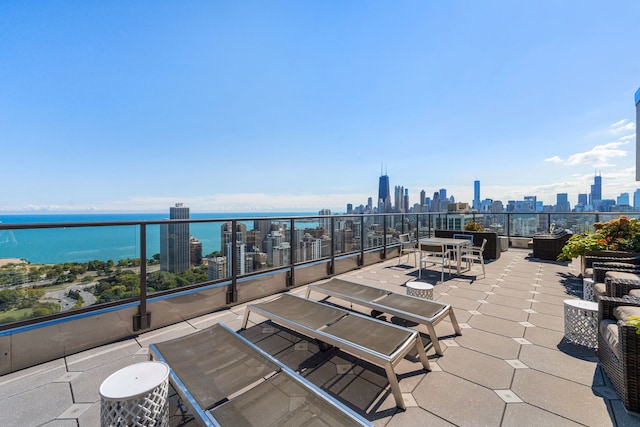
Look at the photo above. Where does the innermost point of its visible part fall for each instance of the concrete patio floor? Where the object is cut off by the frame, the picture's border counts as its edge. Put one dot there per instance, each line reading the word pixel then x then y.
pixel 510 367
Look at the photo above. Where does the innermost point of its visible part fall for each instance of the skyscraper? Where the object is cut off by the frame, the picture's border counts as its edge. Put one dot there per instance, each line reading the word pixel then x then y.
pixel 174 242
pixel 596 191
pixel 384 195
pixel 562 202
pixel 476 194
pixel 398 198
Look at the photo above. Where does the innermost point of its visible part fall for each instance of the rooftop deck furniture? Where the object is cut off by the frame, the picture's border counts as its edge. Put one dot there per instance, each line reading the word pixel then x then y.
pixel 408 247
pixel 549 246
pixel 581 322
pixel 434 253
pixel 380 343
pixel 491 250
pixel 619 348
pixel 598 263
pixel 413 309
pixel 475 253
pixel 616 283
pixel 136 395
pixel 227 381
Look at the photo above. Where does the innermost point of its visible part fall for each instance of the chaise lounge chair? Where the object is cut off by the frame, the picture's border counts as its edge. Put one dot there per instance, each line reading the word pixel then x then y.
pixel 380 343
pixel 227 381
pixel 413 309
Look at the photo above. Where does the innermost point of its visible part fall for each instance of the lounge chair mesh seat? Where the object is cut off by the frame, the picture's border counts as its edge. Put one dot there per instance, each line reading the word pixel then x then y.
pixel 233 383
pixel 381 343
pixel 411 308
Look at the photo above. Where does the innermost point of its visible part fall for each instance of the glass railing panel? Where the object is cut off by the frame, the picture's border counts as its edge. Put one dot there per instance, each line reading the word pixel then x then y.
pixel 347 237
pixel 62 269
pixel 312 239
pixel 524 224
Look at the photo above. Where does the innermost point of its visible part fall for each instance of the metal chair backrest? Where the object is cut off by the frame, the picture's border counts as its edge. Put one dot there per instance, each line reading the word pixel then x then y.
pixel 404 238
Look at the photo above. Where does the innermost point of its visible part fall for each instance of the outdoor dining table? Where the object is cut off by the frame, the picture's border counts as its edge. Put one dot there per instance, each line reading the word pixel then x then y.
pixel 455 244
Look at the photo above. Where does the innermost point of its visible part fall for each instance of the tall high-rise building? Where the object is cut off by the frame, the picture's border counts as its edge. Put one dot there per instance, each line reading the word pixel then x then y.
pixel 406 200
pixel 583 199
pixel 622 199
pixel 596 191
pixel 398 198
pixel 174 241
pixel 423 198
pixel 325 223
pixel 476 194
pixel 637 99
pixel 562 202
pixel 384 195
pixel 636 200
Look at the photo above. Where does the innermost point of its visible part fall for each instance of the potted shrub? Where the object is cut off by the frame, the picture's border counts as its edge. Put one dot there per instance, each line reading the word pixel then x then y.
pixel 473 226
pixel 620 235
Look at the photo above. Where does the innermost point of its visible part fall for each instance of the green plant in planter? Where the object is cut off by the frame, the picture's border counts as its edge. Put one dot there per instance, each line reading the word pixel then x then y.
pixel 634 321
pixel 473 226
pixel 622 234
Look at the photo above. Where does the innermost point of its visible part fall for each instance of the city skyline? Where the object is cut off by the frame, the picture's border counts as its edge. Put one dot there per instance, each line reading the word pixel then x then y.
pixel 292 107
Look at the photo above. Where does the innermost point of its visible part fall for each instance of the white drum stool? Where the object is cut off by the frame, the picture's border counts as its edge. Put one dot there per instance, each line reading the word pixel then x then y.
pixel 136 395
pixel 581 322
pixel 420 289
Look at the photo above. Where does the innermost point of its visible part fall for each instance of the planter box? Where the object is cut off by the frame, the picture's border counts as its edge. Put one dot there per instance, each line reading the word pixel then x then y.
pixel 549 246
pixel 491 250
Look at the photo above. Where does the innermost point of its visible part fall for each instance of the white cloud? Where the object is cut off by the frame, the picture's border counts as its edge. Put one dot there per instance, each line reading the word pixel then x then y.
pixel 554 159
pixel 621 126
pixel 599 156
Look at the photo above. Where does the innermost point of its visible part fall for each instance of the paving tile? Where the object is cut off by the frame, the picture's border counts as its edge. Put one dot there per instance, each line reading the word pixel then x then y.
pixel 561 397
pixel 499 326
pixel 514 293
pixel 521 414
pixel 504 312
pixel 489 343
pixel 36 406
pixel 462 303
pixel 463 404
pixel 417 417
pixel 31 378
pixel 467 293
pixel 547 321
pixel 544 337
pixel 508 301
pixel 103 355
pixel 556 363
pixel 478 368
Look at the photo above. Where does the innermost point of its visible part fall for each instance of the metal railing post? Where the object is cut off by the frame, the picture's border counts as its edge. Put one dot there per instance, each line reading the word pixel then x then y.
pixel 291 278
pixel 143 319
pixel 232 293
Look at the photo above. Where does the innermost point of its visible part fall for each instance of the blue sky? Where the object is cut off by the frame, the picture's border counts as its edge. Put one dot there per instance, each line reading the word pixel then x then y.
pixel 295 105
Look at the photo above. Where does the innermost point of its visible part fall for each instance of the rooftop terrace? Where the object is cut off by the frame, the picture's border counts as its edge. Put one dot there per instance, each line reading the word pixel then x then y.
pixel 510 366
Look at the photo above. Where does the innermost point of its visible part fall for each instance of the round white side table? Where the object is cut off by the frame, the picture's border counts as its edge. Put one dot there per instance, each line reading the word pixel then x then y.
pixel 581 322
pixel 587 289
pixel 420 289
pixel 136 395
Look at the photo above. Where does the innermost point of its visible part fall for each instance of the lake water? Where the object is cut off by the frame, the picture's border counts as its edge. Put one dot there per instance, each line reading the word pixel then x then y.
pixel 83 244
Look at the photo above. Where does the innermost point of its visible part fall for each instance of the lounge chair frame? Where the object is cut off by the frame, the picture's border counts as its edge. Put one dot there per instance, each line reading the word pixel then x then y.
pixel 410 341
pixel 277 372
pixel 381 303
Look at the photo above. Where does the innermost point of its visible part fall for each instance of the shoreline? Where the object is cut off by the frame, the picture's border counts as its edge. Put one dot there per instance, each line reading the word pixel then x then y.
pixel 6 261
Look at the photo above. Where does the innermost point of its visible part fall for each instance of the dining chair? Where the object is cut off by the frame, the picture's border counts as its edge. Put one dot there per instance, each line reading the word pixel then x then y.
pixel 407 247
pixel 434 254
pixel 475 253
